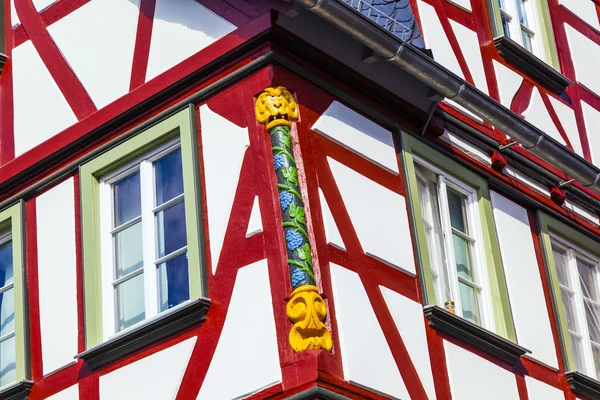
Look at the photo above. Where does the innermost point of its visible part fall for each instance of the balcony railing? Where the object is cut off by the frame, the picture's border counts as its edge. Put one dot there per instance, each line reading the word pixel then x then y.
pixel 395 16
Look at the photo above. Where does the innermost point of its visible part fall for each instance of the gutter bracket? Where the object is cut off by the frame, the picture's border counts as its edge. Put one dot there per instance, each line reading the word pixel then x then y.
pixel 435 98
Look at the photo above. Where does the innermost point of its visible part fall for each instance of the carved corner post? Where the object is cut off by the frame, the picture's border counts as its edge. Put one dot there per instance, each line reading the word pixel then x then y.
pixel 276 109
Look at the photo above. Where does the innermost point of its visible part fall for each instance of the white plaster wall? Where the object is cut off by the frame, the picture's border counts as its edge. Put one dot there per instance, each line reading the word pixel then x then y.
pixel 509 83
pixel 157 376
pixel 566 115
pixel 57 279
pixel 366 356
pixel 246 359
pixel 466 4
pixel 40 5
pixel 34 122
pixel 100 57
pixel 378 215
pixel 221 174
pixel 358 134
pixel 436 39
pixel 528 305
pixel 181 28
pixel 586 58
pixel 70 393
pixel 473 377
pixel 591 117
pixel 409 320
pixel 538 390
pixel 332 232
pixel 469 45
pixel 538 115
pixel 584 9
pixel 255 221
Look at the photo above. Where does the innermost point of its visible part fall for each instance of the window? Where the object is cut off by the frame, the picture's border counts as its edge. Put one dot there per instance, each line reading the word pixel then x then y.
pixel 574 270
pixel 526 22
pixel 459 254
pixel 142 251
pixel 12 327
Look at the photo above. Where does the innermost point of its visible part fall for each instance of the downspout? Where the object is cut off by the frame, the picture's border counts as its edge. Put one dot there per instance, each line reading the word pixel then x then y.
pixel 440 79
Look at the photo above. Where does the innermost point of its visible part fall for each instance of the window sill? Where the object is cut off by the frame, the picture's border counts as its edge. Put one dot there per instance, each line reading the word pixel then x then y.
pixel 532 66
pixel 150 332
pixel 17 391
pixel 583 384
pixel 473 334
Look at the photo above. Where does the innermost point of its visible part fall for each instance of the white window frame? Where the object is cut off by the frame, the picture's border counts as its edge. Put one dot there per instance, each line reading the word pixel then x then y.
pixel 444 181
pixel 515 26
pixel 5 237
pixel 573 252
pixel 143 164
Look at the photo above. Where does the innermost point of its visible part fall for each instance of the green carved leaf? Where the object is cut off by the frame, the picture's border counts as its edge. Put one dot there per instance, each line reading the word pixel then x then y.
pixel 291 175
pixel 297 213
pixel 286 140
pixel 304 253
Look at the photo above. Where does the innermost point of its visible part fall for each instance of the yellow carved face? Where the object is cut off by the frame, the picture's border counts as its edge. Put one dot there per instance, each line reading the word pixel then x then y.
pixel 276 103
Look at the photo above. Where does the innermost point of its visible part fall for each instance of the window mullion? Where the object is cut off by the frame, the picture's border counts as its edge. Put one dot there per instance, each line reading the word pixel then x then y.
pixel 450 262
pixel 148 236
pixel 580 309
pixel 107 259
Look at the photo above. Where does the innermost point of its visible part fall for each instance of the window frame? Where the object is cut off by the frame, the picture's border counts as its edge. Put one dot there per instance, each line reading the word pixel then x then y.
pixel 549 229
pixel 542 28
pixel 182 125
pixel 499 317
pixel 11 220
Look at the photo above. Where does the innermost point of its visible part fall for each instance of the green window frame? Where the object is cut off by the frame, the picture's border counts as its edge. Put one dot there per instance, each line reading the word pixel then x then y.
pixel 543 24
pixel 183 125
pixel 549 226
pixel 11 219
pixel 500 306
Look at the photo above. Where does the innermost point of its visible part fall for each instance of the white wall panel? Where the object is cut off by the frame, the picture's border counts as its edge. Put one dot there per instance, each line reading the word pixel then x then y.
pixel 255 221
pixel 541 391
pixel 40 5
pixel 246 359
pixel 566 115
pixel 332 232
pixel 409 320
pixel 366 356
pixel 466 4
pixel 100 57
pixel 469 45
pixel 221 174
pixel 436 39
pixel 528 305
pixel 584 9
pixel 509 83
pixel 36 121
pixel 358 134
pixel 70 393
pixel 181 28
pixel 57 275
pixel 586 58
pixel 378 215
pixel 473 377
pixel 157 376
pixel 591 117
pixel 538 115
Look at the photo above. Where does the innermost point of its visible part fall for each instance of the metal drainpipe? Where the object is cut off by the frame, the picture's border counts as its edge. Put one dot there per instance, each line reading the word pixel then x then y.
pixel 405 56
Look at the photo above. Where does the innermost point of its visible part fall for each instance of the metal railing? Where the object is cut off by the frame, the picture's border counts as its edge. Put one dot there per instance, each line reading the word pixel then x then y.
pixel 382 19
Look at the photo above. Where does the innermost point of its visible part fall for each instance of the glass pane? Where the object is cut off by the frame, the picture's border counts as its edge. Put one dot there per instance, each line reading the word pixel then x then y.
pixel 506 26
pixel 6 264
pixel 596 355
pixel 456 207
pixel 592 315
pixel 588 279
pixel 501 4
pixel 560 261
pixel 170 227
pixel 173 282
pixel 169 177
pixel 127 201
pixel 527 40
pixel 130 302
pixel 569 305
pixel 129 250
pixel 8 365
pixel 462 253
pixel 576 346
pixel 469 303
pixel 522 12
pixel 7 312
